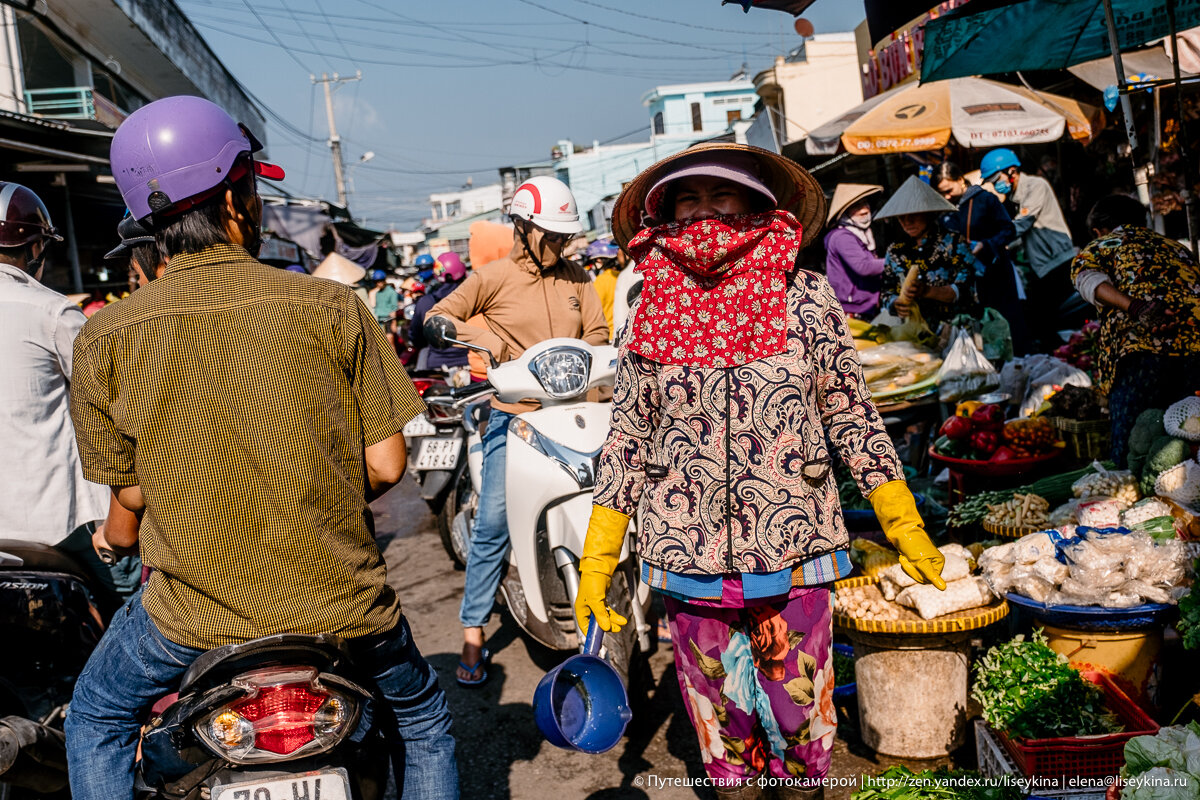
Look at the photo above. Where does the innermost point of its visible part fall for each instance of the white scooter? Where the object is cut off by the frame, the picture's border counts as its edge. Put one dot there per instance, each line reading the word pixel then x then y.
pixel 551 461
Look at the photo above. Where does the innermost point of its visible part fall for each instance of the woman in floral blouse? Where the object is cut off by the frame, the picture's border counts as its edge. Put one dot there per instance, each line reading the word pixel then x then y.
pixel 1147 290
pixel 947 267
pixel 737 378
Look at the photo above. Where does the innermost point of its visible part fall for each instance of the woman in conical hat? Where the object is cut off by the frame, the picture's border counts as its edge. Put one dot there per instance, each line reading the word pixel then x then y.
pixel 737 379
pixel 851 263
pixel 928 265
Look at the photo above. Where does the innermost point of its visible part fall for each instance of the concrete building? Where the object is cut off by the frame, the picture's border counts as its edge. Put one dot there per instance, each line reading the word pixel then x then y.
pixel 70 72
pixel 810 86
pixel 467 202
pixel 695 111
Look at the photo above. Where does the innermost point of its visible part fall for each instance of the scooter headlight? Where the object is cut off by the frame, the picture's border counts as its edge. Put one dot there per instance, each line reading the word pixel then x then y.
pixel 563 371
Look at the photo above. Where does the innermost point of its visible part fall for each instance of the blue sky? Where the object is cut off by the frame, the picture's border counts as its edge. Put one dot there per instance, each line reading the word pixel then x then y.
pixel 456 88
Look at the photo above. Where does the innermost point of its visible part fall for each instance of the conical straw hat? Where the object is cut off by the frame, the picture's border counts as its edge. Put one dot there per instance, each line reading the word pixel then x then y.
pixel 846 195
pixel 914 196
pixel 339 268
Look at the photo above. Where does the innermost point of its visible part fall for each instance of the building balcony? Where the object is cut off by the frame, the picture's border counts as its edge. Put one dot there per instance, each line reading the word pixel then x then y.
pixel 74 102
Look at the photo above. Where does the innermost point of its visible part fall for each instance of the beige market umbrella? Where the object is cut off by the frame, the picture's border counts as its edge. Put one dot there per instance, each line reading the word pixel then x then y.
pixel 339 268
pixel 975 111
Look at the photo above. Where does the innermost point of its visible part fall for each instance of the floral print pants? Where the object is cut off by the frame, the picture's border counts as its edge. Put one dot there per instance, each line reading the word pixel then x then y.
pixel 757 683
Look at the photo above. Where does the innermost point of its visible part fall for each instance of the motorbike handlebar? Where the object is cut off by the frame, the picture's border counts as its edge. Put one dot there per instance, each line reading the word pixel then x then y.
pixel 472 390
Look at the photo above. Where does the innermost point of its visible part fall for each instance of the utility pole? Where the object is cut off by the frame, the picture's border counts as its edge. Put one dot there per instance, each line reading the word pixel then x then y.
pixel 335 141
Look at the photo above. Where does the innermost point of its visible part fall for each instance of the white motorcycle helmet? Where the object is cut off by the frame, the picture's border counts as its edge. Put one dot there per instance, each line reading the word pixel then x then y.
pixel 548 204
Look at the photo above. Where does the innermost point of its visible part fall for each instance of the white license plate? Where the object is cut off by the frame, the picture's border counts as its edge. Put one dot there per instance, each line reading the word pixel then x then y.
pixel 441 453
pixel 333 785
pixel 419 426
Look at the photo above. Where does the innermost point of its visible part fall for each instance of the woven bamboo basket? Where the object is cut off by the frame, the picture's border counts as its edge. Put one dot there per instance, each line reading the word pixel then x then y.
pixel 911 623
pixel 1010 531
pixel 1086 440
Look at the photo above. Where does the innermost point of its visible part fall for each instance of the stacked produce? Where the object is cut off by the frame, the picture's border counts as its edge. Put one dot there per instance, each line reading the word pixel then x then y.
pixel 1027 690
pixel 872 558
pixel 1055 489
pixel 1152 451
pixel 901 783
pixel 1021 511
pixel 984 436
pixel 1079 403
pixel 1112 568
pixel 1080 349
pixel 896 592
pixel 896 366
pixel 1165 766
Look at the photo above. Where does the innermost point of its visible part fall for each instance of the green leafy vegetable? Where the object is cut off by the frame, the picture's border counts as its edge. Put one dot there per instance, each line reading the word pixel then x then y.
pixel 1029 691
pixel 843 669
pixel 901 783
pixel 1189 620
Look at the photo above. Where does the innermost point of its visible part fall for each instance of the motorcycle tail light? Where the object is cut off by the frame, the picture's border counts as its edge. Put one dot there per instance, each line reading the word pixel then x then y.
pixel 423 385
pixel 285 714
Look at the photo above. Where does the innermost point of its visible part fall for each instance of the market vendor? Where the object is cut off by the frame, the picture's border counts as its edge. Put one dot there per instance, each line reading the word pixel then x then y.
pixel 1147 290
pixel 946 269
pixel 737 374
pixel 851 262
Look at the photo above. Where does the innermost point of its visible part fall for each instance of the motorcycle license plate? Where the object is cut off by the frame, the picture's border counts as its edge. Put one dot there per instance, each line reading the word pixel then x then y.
pixel 333 785
pixel 438 453
pixel 419 426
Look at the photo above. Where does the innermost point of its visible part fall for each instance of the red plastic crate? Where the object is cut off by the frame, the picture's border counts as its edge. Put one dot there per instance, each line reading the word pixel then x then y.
pixel 1083 756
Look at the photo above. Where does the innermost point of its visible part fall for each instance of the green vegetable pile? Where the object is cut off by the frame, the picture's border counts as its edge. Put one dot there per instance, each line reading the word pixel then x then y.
pixel 1151 451
pixel 1029 691
pixel 901 783
pixel 1189 620
pixel 843 669
pixel 972 510
pixel 1165 766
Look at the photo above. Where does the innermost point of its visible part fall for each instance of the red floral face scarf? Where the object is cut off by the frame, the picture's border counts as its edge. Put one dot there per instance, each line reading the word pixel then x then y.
pixel 715 292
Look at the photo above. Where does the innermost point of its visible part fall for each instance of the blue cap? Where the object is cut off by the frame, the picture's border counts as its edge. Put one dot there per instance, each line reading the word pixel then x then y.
pixel 997 160
pixel 423 260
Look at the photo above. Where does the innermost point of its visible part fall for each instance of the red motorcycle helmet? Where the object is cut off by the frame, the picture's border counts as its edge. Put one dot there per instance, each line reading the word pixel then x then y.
pixel 23 217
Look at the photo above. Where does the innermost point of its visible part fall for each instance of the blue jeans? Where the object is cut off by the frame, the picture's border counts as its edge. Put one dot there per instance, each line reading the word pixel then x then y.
pixel 489 534
pixel 135 664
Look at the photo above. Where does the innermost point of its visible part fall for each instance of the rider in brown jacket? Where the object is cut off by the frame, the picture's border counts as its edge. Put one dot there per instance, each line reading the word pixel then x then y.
pixel 529 297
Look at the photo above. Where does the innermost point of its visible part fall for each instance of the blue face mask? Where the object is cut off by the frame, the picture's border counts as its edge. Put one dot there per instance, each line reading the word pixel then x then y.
pixel 1002 185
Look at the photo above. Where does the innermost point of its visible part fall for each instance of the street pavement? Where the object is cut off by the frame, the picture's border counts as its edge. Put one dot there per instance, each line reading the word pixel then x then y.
pixel 501 754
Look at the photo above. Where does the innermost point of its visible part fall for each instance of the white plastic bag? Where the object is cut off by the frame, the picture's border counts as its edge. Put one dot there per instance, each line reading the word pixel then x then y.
pixel 965 372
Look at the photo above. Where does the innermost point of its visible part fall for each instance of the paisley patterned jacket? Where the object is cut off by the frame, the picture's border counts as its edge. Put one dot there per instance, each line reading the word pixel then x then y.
pixel 734 464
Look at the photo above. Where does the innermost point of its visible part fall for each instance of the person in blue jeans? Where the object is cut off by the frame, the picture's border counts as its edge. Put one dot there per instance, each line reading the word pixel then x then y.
pixel 531 295
pixel 246 416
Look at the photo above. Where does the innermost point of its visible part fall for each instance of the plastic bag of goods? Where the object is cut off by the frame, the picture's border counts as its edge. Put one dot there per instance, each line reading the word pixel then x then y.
pixel 965 372
pixel 1118 484
pixel 1100 512
pixel 893 579
pixel 959 595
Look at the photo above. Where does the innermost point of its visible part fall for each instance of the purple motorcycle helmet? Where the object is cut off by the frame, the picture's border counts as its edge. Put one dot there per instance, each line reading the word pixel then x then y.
pixel 172 154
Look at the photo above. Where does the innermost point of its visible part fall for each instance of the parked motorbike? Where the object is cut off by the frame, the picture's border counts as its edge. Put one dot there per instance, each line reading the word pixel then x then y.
pixel 550 473
pixel 49 624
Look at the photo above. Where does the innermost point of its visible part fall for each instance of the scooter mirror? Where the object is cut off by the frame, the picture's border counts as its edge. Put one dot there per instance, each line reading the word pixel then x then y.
pixel 438 330
pixel 441 333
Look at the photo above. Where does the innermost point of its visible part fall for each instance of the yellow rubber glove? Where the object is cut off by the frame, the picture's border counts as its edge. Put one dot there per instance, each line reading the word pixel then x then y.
pixel 601 549
pixel 897 513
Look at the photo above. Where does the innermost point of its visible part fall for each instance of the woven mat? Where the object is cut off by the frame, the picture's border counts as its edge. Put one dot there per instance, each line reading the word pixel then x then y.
pixel 910 621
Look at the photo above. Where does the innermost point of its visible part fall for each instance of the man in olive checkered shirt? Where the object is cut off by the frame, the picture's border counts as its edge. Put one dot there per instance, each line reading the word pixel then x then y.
pixel 248 415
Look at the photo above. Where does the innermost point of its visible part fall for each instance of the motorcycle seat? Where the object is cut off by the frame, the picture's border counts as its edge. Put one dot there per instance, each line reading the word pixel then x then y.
pixel 40 557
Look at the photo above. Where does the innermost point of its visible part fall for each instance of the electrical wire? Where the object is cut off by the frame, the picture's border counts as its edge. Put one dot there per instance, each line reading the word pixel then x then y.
pixel 670 21
pixel 271 31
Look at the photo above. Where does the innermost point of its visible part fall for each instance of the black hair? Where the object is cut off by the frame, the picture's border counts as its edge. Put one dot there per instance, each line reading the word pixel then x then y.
pixel 203 226
pixel 946 171
pixel 1116 210
pixel 147 257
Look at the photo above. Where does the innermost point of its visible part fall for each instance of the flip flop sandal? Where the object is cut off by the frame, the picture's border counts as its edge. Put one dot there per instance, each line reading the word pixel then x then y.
pixel 484 658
